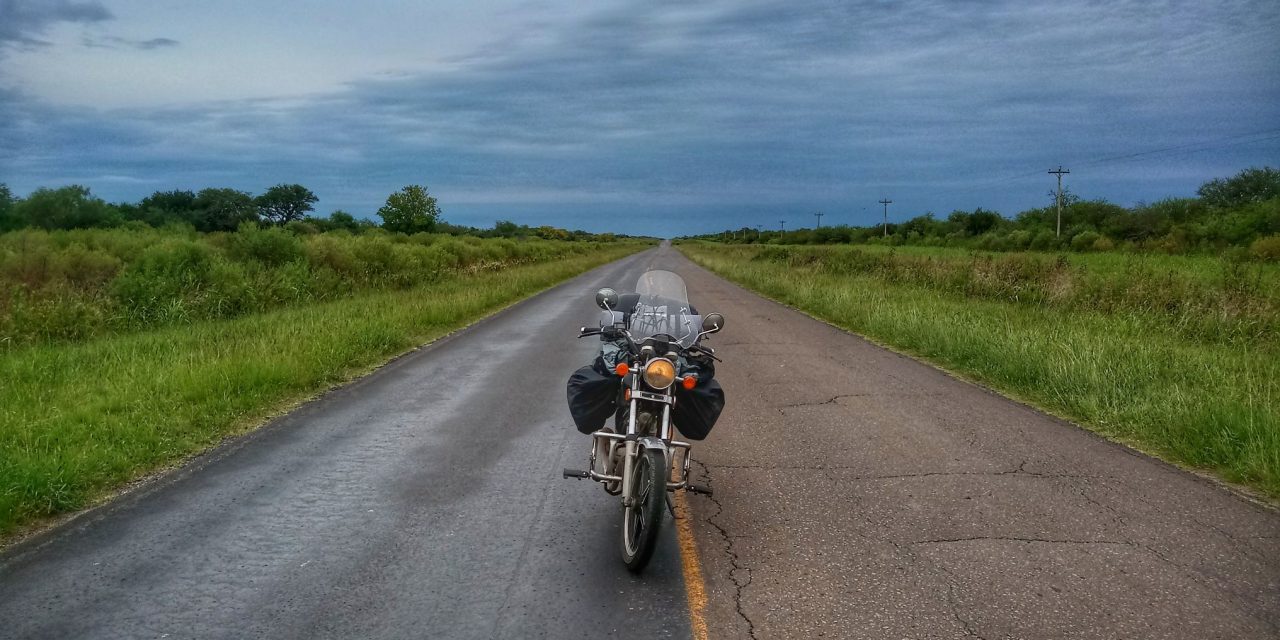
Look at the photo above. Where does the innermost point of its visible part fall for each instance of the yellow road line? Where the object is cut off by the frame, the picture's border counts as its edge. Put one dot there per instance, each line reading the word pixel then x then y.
pixel 695 589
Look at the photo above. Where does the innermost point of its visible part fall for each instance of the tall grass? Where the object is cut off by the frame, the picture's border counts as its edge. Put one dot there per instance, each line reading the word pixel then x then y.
pixel 1185 365
pixel 73 285
pixel 78 419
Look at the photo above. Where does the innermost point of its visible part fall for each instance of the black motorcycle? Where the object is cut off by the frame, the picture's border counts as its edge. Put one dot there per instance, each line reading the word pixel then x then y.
pixel 653 375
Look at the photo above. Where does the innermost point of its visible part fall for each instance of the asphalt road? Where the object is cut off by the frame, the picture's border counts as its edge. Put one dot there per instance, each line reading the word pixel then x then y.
pixel 858 494
pixel 862 494
pixel 422 501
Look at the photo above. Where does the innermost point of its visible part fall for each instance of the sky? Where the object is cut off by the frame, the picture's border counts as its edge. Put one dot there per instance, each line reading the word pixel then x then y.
pixel 649 117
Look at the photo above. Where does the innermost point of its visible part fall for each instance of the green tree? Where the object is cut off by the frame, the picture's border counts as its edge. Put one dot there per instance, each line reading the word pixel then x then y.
pixel 410 210
pixel 1250 185
pixel 70 207
pixel 223 210
pixel 166 206
pixel 285 203
pixel 6 205
pixel 340 219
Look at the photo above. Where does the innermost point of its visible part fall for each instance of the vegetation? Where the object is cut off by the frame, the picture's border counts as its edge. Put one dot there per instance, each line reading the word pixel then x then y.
pixel 78 419
pixel 84 283
pixel 410 210
pixel 1179 355
pixel 1240 215
pixel 133 334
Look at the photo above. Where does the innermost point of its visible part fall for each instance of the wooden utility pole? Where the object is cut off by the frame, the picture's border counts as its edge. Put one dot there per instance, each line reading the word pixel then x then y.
pixel 784 225
pixel 819 214
pixel 886 202
pixel 1059 171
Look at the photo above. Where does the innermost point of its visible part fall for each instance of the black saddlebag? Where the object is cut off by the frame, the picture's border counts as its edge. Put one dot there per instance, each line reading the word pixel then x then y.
pixel 593 397
pixel 697 409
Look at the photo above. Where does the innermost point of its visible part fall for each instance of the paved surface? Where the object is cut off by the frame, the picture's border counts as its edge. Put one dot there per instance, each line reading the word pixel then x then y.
pixel 859 494
pixel 423 501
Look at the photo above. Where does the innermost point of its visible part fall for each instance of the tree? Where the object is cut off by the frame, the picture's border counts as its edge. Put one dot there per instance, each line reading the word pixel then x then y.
pixel 410 210
pixel 285 203
pixel 70 207
pixel 6 205
pixel 340 219
pixel 1250 185
pixel 223 210
pixel 165 206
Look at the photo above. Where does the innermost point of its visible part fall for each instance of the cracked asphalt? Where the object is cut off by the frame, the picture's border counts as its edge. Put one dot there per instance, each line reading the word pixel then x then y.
pixel 862 494
pixel 423 501
pixel 859 494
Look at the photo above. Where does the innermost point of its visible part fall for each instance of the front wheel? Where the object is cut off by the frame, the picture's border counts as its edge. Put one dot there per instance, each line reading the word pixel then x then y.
pixel 642 520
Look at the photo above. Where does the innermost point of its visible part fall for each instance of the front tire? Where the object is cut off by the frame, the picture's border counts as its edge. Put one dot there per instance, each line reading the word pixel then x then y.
pixel 642 521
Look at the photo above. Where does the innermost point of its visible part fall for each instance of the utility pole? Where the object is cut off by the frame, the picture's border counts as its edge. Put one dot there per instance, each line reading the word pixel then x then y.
pixel 819 214
pixel 1059 171
pixel 886 202
pixel 784 225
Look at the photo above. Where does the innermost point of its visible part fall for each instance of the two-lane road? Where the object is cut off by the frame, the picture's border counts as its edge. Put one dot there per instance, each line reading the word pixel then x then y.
pixel 422 501
pixel 858 494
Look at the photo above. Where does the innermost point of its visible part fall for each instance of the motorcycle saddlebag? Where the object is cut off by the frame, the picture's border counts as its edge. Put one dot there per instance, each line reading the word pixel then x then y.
pixel 697 409
pixel 593 397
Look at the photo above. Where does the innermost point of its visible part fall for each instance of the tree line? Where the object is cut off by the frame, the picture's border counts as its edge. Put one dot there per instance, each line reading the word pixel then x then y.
pixel 1241 212
pixel 410 210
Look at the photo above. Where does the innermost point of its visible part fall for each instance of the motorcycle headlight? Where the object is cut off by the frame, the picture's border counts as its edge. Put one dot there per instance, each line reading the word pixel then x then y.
pixel 659 373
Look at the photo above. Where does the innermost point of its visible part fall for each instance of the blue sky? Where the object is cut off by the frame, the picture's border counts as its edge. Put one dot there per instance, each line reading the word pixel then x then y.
pixel 651 117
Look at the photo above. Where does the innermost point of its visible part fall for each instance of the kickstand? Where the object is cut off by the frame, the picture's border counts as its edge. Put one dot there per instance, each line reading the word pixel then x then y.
pixel 671 506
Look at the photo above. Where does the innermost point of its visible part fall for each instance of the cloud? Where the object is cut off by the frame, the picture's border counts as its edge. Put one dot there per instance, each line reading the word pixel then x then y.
pixel 22 21
pixel 116 42
pixel 667 118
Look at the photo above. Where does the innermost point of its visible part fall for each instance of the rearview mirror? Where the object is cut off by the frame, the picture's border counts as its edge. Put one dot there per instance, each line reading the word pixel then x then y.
pixel 712 322
pixel 607 299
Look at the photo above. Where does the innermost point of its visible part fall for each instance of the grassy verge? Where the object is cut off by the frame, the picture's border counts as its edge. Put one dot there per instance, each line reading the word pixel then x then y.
pixel 78 420
pixel 1124 368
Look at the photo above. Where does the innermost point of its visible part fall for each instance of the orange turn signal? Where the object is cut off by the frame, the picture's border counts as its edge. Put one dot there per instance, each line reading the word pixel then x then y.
pixel 622 369
pixel 689 382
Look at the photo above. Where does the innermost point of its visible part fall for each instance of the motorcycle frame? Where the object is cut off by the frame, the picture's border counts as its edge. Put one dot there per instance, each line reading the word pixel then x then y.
pixel 634 443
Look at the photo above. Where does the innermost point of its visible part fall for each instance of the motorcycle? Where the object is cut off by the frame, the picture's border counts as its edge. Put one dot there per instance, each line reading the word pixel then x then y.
pixel 652 344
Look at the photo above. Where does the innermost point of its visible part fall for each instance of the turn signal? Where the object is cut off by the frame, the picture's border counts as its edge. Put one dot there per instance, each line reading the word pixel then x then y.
pixel 689 382
pixel 622 369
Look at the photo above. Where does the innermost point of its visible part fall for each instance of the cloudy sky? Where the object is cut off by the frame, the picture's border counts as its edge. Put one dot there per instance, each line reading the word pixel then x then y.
pixel 641 116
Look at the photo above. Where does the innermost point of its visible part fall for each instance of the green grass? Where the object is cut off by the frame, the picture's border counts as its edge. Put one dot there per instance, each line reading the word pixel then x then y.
pixel 79 420
pixel 1134 373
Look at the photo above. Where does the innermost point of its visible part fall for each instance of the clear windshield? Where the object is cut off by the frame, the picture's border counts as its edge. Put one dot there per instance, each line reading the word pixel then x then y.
pixel 663 308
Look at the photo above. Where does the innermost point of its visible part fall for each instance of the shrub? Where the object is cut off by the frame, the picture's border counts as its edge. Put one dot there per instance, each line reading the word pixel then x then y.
pixel 271 246
pixel 1266 249
pixel 1084 240
pixel 180 280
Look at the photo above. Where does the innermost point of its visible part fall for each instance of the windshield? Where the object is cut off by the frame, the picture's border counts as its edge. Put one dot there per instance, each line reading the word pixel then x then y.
pixel 663 308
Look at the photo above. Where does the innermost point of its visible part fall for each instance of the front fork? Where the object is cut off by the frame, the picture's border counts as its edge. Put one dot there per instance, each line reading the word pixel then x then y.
pixel 632 448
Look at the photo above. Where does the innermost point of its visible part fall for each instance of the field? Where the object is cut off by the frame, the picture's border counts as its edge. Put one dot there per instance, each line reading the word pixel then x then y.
pixel 103 384
pixel 1175 355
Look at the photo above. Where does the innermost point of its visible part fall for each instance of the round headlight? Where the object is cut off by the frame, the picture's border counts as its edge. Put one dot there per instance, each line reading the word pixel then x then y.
pixel 659 373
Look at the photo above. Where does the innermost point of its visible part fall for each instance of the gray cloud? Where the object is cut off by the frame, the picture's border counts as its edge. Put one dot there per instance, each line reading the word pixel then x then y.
pixel 23 21
pixel 116 42
pixel 675 118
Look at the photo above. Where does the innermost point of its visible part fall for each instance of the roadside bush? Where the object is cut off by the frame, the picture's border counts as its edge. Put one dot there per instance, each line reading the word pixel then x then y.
pixel 1084 241
pixel 180 280
pixel 1266 249
pixel 271 246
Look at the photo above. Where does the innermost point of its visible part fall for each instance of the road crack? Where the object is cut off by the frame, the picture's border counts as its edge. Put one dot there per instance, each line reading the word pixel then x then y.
pixel 737 568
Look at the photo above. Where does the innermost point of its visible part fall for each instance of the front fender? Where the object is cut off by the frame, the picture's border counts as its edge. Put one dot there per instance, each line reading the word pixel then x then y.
pixel 650 442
